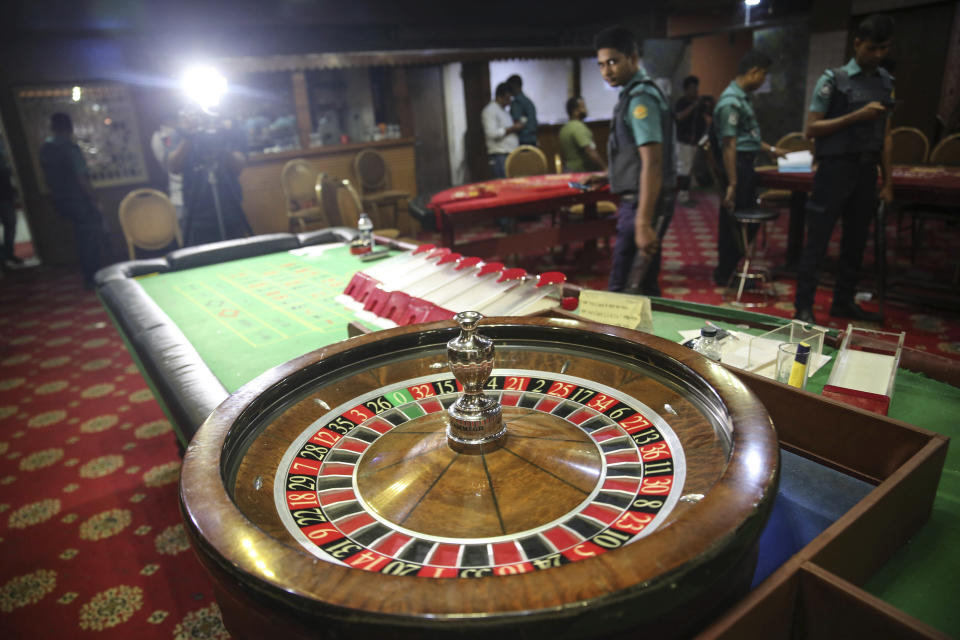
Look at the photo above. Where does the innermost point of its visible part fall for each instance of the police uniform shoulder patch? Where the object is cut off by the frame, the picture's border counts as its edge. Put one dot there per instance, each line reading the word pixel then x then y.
pixel 733 118
pixel 640 112
pixel 825 89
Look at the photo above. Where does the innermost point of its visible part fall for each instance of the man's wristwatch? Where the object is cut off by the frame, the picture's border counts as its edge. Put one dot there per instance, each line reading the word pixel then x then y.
pixel 773 150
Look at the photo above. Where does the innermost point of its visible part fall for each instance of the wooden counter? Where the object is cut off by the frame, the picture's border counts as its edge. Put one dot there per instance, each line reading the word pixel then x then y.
pixel 263 199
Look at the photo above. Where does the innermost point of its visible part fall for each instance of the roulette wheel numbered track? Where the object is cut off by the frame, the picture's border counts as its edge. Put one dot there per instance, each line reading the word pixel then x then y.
pixel 629 493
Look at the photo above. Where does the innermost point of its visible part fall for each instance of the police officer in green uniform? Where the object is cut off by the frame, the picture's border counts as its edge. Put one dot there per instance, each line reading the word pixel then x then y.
pixel 640 153
pixel 849 121
pixel 735 124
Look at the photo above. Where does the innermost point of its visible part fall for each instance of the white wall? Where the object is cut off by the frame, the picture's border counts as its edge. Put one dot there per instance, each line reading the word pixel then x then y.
pixel 456 121
pixel 548 83
pixel 600 97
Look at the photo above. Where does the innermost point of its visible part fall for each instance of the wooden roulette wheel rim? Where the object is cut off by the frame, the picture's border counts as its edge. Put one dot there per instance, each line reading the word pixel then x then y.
pixel 696 555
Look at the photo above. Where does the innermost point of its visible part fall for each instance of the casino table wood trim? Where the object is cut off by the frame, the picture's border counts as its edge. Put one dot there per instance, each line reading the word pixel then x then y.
pixel 674 563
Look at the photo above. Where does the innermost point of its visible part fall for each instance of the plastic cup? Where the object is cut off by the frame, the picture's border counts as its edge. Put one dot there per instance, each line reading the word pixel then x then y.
pixel 790 370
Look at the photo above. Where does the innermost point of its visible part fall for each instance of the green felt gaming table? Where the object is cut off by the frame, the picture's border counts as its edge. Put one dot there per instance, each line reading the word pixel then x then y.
pixel 202 322
pixel 246 316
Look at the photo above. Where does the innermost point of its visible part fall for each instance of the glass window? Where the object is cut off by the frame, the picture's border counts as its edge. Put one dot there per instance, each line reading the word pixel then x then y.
pixel 342 106
pixel 262 104
pixel 600 97
pixel 548 84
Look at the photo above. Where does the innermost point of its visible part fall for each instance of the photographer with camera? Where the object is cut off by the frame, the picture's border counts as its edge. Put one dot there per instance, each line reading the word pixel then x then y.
pixel 210 156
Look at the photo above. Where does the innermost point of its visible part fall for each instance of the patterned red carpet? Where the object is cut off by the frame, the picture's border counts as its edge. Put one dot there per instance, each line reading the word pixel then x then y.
pixel 91 544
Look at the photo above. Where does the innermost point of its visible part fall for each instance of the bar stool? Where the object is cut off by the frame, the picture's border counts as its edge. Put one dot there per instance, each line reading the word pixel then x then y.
pixel 758 277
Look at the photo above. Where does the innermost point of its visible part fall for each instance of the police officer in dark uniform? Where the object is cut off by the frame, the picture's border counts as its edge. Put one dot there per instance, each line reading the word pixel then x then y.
pixel 640 153
pixel 738 133
pixel 849 121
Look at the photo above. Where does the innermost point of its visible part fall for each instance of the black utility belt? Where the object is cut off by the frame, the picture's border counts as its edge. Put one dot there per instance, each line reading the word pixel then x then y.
pixel 628 197
pixel 746 154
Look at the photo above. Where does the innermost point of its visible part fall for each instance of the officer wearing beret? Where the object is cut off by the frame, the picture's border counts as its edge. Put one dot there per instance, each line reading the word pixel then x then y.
pixel 640 152
pixel 736 127
pixel 849 120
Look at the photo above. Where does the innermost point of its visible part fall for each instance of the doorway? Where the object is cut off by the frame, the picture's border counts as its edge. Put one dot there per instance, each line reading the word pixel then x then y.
pixel 12 213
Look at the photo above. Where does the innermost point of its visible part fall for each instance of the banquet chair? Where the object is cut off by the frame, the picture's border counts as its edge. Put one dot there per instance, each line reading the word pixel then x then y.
pixel 526 160
pixel 947 152
pixel 298 178
pixel 908 145
pixel 795 141
pixel 342 204
pixel 375 189
pixel 604 207
pixel 149 221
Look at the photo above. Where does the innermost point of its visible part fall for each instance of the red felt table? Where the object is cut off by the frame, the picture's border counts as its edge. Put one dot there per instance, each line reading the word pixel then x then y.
pixel 934 185
pixel 461 207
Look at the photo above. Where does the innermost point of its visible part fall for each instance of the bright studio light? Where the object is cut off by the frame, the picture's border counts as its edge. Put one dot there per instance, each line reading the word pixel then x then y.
pixel 204 85
pixel 751 3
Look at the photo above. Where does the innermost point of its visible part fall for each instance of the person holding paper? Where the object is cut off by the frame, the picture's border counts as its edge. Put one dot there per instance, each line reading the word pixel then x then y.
pixel 735 124
pixel 849 118
pixel 640 153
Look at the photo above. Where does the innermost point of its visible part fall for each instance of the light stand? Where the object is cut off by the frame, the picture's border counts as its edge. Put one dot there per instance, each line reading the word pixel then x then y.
pixel 212 179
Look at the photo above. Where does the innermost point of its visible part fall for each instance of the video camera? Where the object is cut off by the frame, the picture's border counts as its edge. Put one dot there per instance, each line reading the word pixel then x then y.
pixel 209 133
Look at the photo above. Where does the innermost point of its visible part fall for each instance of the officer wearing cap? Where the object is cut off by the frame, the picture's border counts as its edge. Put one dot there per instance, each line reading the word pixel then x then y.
pixel 849 120
pixel 735 123
pixel 640 152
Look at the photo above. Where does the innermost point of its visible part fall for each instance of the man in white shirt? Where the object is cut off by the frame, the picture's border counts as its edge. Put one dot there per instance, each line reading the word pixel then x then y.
pixel 162 143
pixel 499 130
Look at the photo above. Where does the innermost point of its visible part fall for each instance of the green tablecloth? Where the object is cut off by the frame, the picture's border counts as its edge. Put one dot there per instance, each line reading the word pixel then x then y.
pixel 247 316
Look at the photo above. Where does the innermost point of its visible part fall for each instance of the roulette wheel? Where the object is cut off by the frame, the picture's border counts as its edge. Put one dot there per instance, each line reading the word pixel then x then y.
pixel 534 476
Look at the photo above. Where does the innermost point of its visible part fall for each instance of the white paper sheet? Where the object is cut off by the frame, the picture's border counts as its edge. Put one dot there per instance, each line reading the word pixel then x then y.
pixel 796 161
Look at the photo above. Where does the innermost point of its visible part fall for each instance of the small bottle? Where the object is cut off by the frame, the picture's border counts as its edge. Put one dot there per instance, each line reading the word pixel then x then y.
pixel 364 241
pixel 707 344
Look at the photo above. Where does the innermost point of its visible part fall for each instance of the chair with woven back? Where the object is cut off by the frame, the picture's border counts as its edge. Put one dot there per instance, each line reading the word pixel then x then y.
pixel 149 221
pixel 947 151
pixel 526 160
pixel 795 141
pixel 298 178
pixel 375 188
pixel 342 204
pixel 604 207
pixel 908 145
